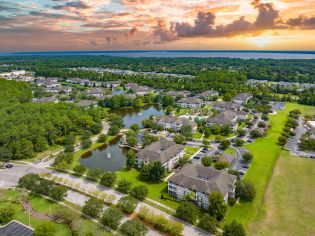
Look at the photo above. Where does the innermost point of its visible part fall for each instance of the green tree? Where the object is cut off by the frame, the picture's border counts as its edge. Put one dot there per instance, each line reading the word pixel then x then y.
pixel 124 186
pixel 102 138
pixel 6 214
pixel 217 206
pixel 234 229
pixel 206 161
pixel 187 211
pixel 138 102
pixel 186 130
pixel 94 174
pixel 112 217
pixel 45 229
pixel 245 191
pixel 179 139
pixel 208 223
pixel 127 204
pixel 139 192
pixel 157 171
pixel 131 159
pixel 239 142
pixel 133 228
pixel 108 179
pixel 135 128
pixel 86 143
pixel 247 157
pixel 220 165
pixel 224 144
pixel 113 130
pixel 79 169
pixel 58 192
pixel 93 207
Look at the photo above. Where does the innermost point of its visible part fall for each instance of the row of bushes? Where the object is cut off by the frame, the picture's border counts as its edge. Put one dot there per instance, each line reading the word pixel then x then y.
pixel 160 222
pixel 36 185
pixel 290 125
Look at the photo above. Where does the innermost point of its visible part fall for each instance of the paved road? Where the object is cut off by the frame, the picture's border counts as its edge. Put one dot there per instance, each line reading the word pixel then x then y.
pixel 293 144
pixel 10 177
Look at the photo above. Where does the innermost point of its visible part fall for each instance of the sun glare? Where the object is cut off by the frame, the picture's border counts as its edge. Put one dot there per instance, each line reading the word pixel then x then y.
pixel 261 41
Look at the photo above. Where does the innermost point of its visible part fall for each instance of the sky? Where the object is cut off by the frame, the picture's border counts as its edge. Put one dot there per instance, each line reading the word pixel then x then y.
pixel 51 25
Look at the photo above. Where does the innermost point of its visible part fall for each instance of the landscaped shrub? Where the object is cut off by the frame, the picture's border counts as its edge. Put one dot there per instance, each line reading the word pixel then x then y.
pixel 124 186
pixel 234 229
pixel 6 214
pixel 127 204
pixel 133 228
pixel 220 165
pixel 45 229
pixel 112 217
pixel 160 222
pixel 187 211
pixel 93 207
pixel 108 179
pixel 139 192
pixel 208 223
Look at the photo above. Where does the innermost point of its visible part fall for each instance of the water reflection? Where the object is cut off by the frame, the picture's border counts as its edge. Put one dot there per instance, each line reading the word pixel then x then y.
pixel 98 158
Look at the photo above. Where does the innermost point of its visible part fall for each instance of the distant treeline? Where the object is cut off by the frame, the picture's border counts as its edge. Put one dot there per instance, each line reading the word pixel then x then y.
pixel 300 70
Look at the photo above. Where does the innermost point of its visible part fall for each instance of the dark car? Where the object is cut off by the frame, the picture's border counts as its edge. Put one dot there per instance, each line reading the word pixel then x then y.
pixel 246 166
pixel 8 165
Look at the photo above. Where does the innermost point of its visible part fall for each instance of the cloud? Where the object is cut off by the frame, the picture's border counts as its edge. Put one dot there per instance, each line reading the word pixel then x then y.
pixel 162 31
pixel 302 22
pixel 72 4
pixel 8 7
pixel 204 24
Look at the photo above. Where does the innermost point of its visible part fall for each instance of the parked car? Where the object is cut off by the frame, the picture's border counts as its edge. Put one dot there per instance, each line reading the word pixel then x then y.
pixel 8 165
pixel 246 166
pixel 242 172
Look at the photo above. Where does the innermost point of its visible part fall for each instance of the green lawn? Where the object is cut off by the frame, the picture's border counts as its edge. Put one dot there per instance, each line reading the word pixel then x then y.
pixel 288 207
pixel 155 189
pixel 191 150
pixel 197 135
pixel 7 197
pixel 182 111
pixel 265 152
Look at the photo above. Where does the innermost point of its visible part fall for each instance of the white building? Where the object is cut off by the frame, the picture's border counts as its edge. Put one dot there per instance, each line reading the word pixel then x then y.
pixel 242 98
pixel 190 102
pixel 163 151
pixel 199 182
pixel 175 123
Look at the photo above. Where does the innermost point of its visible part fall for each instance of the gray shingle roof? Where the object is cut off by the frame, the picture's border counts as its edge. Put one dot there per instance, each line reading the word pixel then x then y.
pixel 161 151
pixel 204 179
pixel 243 96
pixel 190 100
pixel 229 105
pixel 177 120
pixel 224 118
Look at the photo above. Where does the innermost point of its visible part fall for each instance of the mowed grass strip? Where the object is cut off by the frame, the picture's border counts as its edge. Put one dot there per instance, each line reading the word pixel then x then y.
pixel 265 150
pixel 289 207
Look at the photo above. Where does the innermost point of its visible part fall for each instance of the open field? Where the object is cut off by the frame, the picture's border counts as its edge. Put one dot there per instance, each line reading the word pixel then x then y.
pixel 288 207
pixel 266 152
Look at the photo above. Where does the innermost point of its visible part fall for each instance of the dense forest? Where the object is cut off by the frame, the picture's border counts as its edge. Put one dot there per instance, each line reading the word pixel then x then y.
pixel 261 69
pixel 28 128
